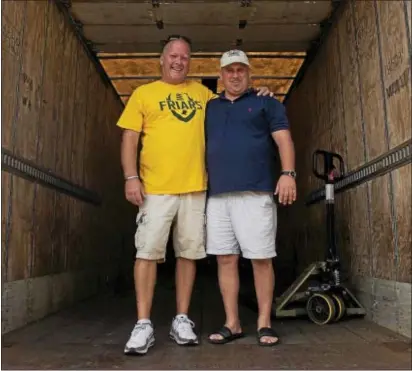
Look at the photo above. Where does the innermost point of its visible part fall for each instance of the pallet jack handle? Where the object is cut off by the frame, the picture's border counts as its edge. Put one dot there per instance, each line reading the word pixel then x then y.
pixel 331 173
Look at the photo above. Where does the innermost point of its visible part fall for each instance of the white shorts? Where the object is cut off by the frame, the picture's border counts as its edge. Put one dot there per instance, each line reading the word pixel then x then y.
pixel 242 222
pixel 155 219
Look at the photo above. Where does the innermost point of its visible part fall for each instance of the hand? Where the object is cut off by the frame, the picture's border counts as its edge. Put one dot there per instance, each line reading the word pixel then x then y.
pixel 264 90
pixel 286 189
pixel 134 192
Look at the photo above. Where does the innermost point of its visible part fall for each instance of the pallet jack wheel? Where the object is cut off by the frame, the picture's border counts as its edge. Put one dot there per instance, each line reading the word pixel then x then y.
pixel 341 307
pixel 320 308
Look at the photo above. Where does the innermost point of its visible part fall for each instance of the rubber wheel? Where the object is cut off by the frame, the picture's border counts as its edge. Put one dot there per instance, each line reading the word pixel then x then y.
pixel 320 308
pixel 340 307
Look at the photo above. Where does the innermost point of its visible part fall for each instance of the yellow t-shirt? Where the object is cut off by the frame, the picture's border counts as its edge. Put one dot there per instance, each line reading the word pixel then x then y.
pixel 171 120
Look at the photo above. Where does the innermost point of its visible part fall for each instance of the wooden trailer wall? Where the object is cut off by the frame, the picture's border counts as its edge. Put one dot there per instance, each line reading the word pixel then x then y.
pixel 355 99
pixel 59 114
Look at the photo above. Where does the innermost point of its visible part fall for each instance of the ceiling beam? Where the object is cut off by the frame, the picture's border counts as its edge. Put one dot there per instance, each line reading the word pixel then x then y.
pixel 203 55
pixel 253 77
pixel 275 94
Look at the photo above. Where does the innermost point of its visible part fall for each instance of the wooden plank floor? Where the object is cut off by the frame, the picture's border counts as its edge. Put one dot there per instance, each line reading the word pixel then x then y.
pixel 92 335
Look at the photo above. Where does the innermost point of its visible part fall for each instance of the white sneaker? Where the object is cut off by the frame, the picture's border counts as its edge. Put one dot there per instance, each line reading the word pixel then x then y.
pixel 181 331
pixel 141 338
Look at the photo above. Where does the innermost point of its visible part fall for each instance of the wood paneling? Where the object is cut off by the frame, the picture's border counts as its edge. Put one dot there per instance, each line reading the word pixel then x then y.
pixel 396 69
pixel 343 234
pixel 383 247
pixel 369 69
pixel 5 220
pixel 21 233
pixel 59 233
pixel 403 206
pixel 321 102
pixel 376 137
pixel 67 102
pixel 408 6
pixel 343 90
pixel 360 232
pixel 31 79
pixel 43 220
pixel 62 104
pixel 75 235
pixel 350 91
pixel 52 90
pixel 336 119
pixel 80 119
pixel 46 239
pixel 200 66
pixel 93 107
pixel 13 21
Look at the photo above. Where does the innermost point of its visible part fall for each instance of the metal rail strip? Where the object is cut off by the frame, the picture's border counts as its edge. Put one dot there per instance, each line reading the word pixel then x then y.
pixel 393 159
pixel 26 169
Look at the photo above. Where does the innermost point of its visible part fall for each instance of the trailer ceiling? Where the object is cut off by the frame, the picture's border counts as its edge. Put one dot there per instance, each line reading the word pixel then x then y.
pixel 127 36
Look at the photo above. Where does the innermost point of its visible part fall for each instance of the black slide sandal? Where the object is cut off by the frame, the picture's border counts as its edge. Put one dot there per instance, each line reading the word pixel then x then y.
pixel 267 331
pixel 227 335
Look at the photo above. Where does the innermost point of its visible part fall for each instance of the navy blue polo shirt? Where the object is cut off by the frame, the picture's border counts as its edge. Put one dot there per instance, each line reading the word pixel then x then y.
pixel 240 151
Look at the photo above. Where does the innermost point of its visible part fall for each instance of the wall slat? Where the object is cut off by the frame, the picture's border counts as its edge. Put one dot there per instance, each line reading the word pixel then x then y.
pixel 396 69
pixel 31 78
pixel 396 65
pixel 79 120
pixel 376 140
pixel 66 125
pixel 383 263
pixel 43 231
pixel 403 206
pixel 5 202
pixel 21 234
pixel 408 5
pixel 50 114
pixel 13 16
pixel 367 38
pixel 351 91
pixel 365 47
pixel 68 84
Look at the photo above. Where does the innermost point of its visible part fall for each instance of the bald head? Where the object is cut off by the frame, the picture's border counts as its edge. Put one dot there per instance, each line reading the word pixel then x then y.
pixel 175 61
pixel 179 41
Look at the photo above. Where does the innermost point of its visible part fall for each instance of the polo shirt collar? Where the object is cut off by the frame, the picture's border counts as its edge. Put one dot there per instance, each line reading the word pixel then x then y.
pixel 246 93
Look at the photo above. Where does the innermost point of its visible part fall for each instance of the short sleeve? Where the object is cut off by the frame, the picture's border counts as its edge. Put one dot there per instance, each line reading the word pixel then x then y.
pixel 276 115
pixel 132 115
pixel 210 95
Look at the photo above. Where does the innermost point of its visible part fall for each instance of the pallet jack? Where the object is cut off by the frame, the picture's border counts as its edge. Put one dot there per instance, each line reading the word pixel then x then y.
pixel 318 292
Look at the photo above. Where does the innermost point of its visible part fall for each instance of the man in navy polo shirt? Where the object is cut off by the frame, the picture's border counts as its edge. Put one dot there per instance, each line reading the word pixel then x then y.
pixel 241 132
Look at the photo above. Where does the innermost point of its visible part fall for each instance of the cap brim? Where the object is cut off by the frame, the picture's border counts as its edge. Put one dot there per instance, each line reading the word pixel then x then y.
pixel 232 62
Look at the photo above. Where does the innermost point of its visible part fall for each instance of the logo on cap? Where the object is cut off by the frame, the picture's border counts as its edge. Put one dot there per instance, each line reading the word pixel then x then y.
pixel 234 56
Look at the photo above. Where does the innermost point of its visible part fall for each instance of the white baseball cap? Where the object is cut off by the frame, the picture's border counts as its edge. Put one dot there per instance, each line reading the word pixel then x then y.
pixel 233 56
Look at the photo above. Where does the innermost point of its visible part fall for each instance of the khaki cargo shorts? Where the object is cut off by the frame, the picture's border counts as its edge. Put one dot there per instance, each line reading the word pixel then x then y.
pixel 154 222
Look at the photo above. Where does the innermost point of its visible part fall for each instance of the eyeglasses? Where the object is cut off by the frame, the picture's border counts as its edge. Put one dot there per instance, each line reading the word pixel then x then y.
pixel 177 37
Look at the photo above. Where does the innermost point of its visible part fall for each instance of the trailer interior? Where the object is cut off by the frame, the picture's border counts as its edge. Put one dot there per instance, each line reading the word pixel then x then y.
pixel 342 68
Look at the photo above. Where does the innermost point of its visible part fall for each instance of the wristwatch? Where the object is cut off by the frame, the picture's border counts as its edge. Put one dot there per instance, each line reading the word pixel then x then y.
pixel 291 173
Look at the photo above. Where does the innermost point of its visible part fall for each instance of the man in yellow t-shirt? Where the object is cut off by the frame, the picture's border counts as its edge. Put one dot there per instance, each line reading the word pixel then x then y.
pixel 170 185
